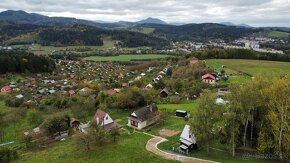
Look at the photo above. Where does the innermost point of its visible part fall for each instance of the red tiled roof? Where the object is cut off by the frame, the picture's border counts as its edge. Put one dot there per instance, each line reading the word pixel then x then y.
pixel 111 91
pixel 71 92
pixel 5 88
pixel 99 114
pixel 125 84
pixel 206 76
pixel 193 62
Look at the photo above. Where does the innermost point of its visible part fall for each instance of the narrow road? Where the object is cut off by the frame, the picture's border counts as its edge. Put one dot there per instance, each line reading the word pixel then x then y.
pixel 152 147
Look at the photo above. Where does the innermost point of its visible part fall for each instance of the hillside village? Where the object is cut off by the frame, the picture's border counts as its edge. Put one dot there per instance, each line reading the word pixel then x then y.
pixel 73 90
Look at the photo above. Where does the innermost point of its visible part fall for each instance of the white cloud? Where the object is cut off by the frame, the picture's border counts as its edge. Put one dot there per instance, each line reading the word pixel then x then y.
pixel 253 12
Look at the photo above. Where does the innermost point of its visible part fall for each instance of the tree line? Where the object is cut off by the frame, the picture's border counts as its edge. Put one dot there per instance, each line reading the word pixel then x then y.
pixel 256 116
pixel 240 54
pixel 21 62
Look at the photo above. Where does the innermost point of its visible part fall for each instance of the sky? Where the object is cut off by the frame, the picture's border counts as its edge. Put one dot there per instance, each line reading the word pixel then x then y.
pixel 252 12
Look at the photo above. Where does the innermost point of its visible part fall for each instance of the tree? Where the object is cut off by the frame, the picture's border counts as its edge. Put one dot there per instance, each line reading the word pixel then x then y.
pixel 56 123
pixel 233 115
pixel 98 133
pixel 278 102
pixel 34 117
pixel 115 132
pixel 130 98
pixel 83 140
pixel 205 122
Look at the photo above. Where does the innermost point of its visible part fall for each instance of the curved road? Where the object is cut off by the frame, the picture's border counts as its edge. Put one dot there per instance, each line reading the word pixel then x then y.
pixel 152 147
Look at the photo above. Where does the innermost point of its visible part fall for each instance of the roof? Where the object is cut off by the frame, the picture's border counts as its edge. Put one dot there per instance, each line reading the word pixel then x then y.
pixel 206 76
pixel 111 91
pixel 71 92
pixel 146 112
pixel 165 90
pixel 111 125
pixel 193 62
pixel 181 111
pixel 125 84
pixel 186 135
pixel 100 115
pixel 6 88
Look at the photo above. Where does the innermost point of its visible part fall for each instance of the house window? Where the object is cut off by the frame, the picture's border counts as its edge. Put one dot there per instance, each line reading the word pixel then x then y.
pixel 106 118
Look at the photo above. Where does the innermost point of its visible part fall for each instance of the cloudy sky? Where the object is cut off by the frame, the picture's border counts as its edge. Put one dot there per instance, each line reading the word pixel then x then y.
pixel 252 12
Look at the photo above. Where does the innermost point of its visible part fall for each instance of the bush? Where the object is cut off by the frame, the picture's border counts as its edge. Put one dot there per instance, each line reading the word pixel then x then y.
pixel 7 154
pixel 35 117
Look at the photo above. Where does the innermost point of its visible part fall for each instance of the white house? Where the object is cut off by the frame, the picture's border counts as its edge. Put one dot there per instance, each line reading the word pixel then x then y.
pixel 144 117
pixel 103 119
pixel 187 140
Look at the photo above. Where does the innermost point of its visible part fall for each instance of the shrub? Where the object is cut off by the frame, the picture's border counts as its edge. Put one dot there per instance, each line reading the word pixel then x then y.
pixel 7 154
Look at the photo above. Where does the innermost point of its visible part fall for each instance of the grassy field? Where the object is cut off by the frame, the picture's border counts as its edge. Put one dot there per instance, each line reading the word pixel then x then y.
pixel 256 67
pixel 126 57
pixel 145 30
pixel 278 34
pixel 128 148
pixel 216 65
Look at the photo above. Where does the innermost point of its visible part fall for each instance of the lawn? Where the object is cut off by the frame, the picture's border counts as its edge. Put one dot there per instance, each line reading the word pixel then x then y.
pixel 128 148
pixel 126 57
pixel 145 30
pixel 278 34
pixel 256 67
pixel 189 106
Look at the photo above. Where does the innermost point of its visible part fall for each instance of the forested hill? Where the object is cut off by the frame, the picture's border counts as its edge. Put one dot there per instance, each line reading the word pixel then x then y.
pixel 21 62
pixel 12 33
pixel 201 32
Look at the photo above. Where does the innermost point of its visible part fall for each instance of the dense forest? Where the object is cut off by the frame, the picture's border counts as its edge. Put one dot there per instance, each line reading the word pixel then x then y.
pixel 73 35
pixel 20 62
pixel 85 35
pixel 240 54
pixel 201 32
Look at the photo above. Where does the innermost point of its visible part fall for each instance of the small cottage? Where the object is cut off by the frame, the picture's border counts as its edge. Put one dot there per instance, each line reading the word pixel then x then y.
pixel 5 89
pixel 164 93
pixel 187 140
pixel 103 119
pixel 208 78
pixel 144 117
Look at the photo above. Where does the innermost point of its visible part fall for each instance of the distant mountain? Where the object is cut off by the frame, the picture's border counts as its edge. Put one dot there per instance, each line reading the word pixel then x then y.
pixel 37 19
pixel 232 24
pixel 151 21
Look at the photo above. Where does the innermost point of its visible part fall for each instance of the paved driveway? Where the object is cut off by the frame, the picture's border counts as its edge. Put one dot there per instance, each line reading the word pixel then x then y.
pixel 152 147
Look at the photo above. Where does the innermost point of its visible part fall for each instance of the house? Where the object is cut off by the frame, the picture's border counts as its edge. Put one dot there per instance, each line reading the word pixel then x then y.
pixel 149 86
pixel 208 78
pixel 5 89
pixel 20 96
pixel 111 91
pixel 164 93
pixel 85 91
pixel 74 122
pixel 193 62
pixel 103 119
pixel 125 84
pixel 187 140
pixel 144 117
pixel 71 92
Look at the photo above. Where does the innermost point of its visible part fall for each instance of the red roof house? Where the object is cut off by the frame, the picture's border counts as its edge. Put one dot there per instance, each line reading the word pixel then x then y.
pixel 111 91
pixel 5 89
pixel 208 78
pixel 193 62
pixel 103 119
pixel 71 92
